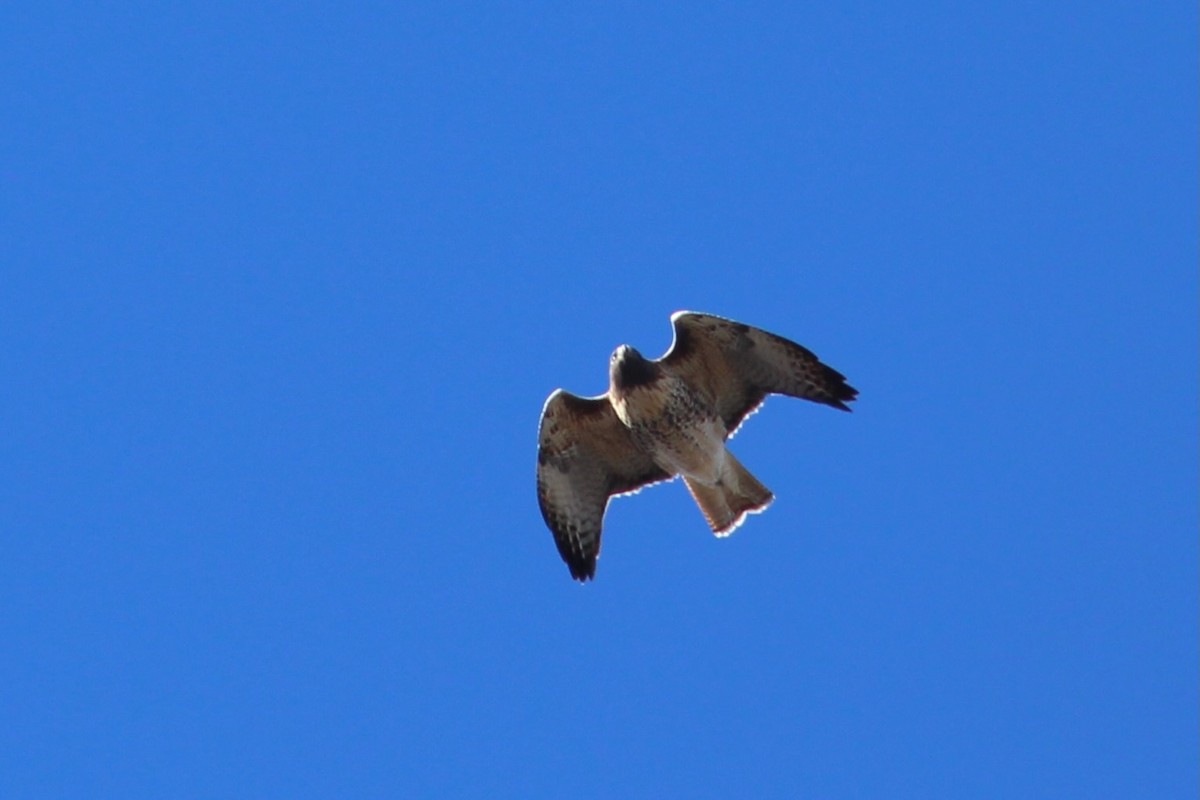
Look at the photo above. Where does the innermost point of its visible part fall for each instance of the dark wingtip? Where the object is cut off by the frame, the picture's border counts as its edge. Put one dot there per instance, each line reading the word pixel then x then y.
pixel 848 394
pixel 840 392
pixel 583 571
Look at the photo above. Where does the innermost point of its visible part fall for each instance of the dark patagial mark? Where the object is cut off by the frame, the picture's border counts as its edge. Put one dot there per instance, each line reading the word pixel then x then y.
pixel 683 345
pixel 581 406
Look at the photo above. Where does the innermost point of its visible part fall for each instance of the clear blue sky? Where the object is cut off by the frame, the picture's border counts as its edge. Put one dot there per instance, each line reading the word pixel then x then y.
pixel 286 285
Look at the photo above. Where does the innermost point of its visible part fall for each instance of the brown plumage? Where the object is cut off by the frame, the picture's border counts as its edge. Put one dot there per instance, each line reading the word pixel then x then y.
pixel 669 417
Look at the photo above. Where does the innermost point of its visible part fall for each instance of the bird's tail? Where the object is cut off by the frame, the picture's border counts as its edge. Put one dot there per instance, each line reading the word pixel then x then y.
pixel 735 495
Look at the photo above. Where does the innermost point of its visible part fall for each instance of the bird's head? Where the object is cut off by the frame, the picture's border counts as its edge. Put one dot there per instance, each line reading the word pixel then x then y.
pixel 627 368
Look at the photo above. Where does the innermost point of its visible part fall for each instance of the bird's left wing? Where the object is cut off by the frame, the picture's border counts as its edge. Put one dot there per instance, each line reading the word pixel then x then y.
pixel 585 456
pixel 738 365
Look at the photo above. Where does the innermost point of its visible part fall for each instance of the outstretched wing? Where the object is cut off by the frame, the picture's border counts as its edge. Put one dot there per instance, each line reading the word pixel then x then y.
pixel 738 366
pixel 585 455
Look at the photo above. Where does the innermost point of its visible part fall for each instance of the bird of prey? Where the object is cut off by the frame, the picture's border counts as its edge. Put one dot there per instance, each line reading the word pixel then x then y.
pixel 665 418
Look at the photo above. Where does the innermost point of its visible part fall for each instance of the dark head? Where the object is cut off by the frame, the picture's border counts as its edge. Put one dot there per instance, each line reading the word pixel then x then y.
pixel 627 368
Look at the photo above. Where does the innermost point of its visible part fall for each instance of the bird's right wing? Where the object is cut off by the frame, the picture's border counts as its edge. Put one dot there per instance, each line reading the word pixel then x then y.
pixel 585 456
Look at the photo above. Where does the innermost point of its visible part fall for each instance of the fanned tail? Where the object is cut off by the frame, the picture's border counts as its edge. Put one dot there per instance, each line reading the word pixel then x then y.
pixel 737 494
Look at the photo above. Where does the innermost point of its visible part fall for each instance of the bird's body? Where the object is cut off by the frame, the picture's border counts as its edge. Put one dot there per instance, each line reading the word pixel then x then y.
pixel 665 418
pixel 679 428
pixel 675 426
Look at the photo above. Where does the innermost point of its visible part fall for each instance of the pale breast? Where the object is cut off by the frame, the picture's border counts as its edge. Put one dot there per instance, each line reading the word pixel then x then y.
pixel 674 424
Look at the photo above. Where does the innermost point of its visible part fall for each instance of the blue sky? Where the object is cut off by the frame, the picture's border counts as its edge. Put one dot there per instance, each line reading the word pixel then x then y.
pixel 286 285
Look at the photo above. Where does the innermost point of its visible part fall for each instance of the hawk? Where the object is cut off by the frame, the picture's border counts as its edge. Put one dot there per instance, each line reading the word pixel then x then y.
pixel 665 418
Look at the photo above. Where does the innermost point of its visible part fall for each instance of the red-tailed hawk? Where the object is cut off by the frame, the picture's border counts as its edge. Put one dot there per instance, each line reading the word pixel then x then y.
pixel 660 419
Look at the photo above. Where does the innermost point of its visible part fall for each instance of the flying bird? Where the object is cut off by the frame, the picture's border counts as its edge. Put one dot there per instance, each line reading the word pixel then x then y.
pixel 665 418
